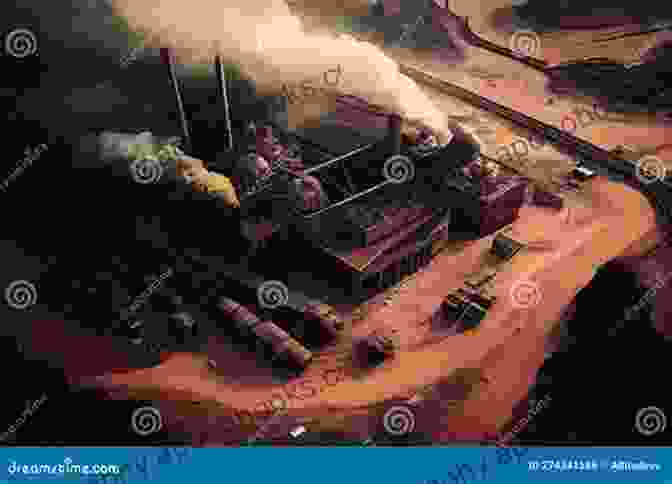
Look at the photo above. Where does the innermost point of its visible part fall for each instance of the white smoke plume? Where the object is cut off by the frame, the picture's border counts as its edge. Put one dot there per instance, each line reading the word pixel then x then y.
pixel 270 46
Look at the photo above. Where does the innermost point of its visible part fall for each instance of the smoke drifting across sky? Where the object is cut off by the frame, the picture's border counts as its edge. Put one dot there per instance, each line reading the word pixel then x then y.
pixel 269 44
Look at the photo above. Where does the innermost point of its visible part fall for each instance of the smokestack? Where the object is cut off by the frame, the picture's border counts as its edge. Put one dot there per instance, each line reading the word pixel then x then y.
pixel 169 61
pixel 393 138
pixel 222 87
pixel 270 44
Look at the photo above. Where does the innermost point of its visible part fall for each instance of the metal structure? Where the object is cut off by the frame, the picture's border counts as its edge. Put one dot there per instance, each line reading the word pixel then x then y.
pixel 169 61
pixel 403 240
pixel 480 42
pixel 224 95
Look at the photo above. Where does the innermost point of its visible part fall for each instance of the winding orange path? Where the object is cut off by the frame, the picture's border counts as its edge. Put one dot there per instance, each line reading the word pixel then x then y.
pixel 568 246
pixel 612 221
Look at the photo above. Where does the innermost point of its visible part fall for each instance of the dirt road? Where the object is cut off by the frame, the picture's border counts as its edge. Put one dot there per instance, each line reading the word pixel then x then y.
pixel 607 221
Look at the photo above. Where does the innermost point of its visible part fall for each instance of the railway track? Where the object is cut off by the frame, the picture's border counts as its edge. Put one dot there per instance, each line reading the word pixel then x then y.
pixel 577 148
pixel 658 190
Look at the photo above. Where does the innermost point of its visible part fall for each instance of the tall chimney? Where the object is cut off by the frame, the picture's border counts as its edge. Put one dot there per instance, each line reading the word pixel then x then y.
pixel 169 62
pixel 394 134
pixel 222 87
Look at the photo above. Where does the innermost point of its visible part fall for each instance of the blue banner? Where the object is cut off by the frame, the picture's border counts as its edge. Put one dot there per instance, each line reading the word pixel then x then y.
pixel 338 465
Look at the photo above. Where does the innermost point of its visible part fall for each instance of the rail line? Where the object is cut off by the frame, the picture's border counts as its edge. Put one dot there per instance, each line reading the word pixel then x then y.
pixel 629 171
pixel 566 142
